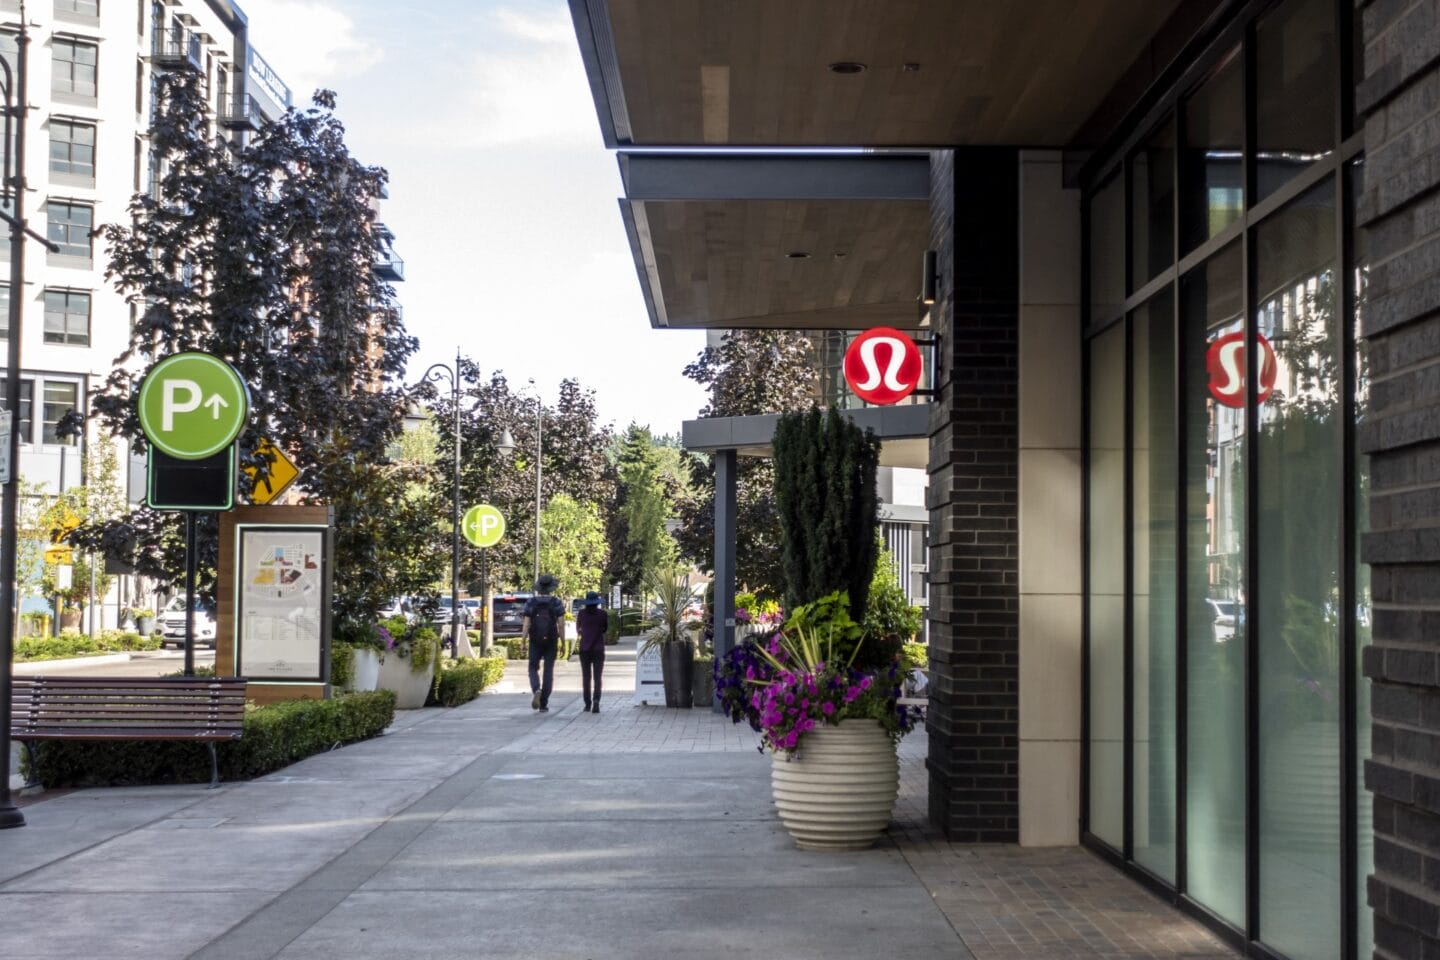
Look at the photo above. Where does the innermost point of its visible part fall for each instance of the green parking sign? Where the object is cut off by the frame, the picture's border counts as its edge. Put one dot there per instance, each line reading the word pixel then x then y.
pixel 483 525
pixel 192 405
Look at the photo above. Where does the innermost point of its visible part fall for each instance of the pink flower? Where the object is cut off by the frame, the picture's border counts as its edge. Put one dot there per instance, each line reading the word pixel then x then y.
pixel 827 708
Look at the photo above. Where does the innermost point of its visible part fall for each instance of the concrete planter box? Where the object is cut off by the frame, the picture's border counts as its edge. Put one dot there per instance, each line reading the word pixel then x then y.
pixel 411 688
pixel 366 673
pixel 838 790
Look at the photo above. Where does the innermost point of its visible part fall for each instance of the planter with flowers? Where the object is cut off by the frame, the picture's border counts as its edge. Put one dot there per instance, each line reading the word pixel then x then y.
pixel 832 730
pixel 407 664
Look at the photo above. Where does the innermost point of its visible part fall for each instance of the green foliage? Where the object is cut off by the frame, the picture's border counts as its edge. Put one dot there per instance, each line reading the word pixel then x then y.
pixel 914 656
pixel 672 595
pixel 572 544
pixel 461 681
pixel 516 648
pixel 888 613
pixel 71 644
pixel 827 621
pixel 342 664
pixel 825 470
pixel 418 643
pixel 638 540
pixel 274 736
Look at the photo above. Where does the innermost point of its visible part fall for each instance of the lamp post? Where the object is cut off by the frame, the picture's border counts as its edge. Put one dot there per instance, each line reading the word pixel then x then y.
pixel 13 87
pixel 437 373
pixel 539 467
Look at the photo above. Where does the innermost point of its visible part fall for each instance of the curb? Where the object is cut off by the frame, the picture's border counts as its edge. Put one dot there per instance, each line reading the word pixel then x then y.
pixel 35 667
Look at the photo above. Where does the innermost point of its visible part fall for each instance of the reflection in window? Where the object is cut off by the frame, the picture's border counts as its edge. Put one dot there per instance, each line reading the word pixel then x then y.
pixel 1295 58
pixel 1153 600
pixel 72 67
pixel 1298 617
pixel 1215 612
pixel 61 398
pixel 67 317
pixel 1107 586
pixel 69 227
pixel 1211 172
pixel 72 148
pixel 1152 206
pixel 1107 250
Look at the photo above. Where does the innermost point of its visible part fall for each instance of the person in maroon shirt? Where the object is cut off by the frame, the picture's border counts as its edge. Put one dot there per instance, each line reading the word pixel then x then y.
pixel 591 622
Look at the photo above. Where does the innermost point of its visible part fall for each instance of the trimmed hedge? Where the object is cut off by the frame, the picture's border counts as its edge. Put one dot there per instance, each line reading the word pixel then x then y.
pixel 275 736
pixel 462 680
pixel 516 648
pixel 69 645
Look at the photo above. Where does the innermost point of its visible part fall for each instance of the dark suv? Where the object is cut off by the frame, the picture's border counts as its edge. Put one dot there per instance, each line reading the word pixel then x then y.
pixel 509 609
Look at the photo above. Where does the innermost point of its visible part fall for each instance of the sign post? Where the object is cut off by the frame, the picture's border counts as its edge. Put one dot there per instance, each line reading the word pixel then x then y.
pixel 192 406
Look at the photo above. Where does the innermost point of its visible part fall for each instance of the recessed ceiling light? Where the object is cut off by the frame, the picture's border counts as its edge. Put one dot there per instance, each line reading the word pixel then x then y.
pixel 798 255
pixel 911 68
pixel 847 67
pixel 840 256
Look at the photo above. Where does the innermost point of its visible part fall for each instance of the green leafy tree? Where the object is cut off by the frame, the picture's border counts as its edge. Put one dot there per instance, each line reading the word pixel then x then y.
pixel 825 469
pixel 573 544
pixel 749 372
pixel 639 542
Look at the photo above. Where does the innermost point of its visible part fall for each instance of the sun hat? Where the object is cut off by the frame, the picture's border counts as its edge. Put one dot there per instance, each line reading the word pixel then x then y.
pixel 546 583
pixel 592 599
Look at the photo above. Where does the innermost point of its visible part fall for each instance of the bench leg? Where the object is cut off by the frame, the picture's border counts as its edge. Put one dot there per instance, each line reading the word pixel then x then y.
pixel 33 777
pixel 214 767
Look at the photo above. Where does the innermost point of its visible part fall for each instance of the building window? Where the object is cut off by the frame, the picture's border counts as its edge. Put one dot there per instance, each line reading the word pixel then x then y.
pixel 84 8
pixel 67 317
pixel 69 227
pixel 4 311
pixel 72 148
pixel 61 398
pixel 72 67
pixel 27 396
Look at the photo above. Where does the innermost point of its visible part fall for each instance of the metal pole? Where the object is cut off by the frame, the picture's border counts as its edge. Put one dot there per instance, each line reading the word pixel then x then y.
pixel 191 562
pixel 538 467
pixel 455 519
pixel 10 815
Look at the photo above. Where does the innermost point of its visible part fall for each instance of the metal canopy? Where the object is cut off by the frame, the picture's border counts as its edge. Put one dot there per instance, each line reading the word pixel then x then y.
pixel 804 241
pixel 856 72
pixel 904 432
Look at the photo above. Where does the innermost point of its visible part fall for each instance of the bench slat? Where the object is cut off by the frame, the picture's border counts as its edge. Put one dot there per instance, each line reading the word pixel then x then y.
pixel 128 708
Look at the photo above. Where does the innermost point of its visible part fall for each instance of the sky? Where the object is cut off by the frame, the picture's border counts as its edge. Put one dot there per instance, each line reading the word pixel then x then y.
pixel 502 194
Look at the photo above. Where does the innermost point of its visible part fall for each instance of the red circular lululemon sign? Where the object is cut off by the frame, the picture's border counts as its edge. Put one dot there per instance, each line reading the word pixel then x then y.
pixel 1225 362
pixel 883 365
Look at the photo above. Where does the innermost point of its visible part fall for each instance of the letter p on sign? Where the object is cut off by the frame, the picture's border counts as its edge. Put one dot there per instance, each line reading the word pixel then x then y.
pixel 170 405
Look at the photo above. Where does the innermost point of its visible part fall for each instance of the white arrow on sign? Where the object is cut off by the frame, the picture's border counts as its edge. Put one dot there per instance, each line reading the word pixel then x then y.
pixel 215 403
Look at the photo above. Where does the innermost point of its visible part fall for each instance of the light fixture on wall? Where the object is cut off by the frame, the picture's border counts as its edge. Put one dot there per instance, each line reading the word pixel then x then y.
pixel 929 280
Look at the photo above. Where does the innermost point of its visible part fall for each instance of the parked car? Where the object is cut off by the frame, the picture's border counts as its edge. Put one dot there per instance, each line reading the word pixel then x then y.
pixel 1224 618
pixel 172 623
pixel 509 610
pixel 473 606
pixel 398 607
pixel 442 614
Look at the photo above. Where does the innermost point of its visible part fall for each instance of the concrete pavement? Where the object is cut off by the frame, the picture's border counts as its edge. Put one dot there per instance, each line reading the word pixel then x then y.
pixel 493 831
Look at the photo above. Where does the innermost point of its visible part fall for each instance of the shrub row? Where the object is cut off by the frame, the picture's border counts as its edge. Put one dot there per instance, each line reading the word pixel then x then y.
pixel 80 645
pixel 461 681
pixel 275 736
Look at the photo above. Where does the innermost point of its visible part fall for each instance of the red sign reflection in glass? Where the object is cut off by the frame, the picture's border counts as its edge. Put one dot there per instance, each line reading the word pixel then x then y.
pixel 1225 362
pixel 883 365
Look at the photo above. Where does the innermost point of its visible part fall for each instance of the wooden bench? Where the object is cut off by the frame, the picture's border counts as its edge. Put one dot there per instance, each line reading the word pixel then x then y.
pixel 202 709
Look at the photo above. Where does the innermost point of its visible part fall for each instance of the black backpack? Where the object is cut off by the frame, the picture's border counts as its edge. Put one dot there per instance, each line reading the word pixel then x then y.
pixel 542 621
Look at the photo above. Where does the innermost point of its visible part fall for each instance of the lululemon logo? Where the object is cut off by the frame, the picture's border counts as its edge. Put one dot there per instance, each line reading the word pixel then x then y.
pixel 883 365
pixel 1225 362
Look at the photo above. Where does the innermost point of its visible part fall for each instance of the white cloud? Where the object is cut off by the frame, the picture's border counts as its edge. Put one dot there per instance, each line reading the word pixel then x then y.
pixel 535 90
pixel 310 43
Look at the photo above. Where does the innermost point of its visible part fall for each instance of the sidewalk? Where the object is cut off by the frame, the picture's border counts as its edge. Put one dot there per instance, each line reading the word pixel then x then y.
pixel 493 831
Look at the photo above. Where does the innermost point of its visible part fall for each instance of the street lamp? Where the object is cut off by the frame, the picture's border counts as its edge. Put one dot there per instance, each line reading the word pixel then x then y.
pixel 539 467
pixel 437 373
pixel 13 87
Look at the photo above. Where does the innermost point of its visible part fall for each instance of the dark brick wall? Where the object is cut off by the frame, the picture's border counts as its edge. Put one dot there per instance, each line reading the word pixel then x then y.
pixel 1399 209
pixel 974 716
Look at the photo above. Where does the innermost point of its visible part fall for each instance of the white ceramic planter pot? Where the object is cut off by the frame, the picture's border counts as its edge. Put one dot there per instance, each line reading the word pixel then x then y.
pixel 366 674
pixel 838 790
pixel 411 688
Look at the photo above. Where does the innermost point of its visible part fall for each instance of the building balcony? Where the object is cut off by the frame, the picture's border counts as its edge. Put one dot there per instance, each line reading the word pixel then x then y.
pixel 239 113
pixel 178 49
pixel 389 266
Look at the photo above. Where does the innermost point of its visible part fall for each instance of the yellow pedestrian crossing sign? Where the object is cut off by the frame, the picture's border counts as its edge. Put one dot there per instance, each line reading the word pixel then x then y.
pixel 282 473
pixel 59 555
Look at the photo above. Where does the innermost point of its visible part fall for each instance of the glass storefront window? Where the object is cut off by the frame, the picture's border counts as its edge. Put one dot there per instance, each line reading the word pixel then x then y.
pixel 1211 172
pixel 1211 316
pixel 1153 599
pixel 1107 250
pixel 1295 62
pixel 1152 206
pixel 1107 586
pixel 1297 614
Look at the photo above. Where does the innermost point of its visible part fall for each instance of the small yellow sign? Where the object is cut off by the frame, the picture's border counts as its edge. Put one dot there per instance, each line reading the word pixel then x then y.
pixel 282 473
pixel 67 523
pixel 60 555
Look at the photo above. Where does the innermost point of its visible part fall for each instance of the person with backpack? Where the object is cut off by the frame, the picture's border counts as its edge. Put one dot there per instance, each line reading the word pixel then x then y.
pixel 544 614
pixel 591 623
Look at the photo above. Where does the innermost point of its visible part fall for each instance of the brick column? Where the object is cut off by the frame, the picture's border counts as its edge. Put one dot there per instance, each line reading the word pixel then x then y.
pixel 1400 213
pixel 974 722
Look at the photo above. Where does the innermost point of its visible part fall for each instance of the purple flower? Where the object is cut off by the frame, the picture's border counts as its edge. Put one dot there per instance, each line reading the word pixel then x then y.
pixel 827 708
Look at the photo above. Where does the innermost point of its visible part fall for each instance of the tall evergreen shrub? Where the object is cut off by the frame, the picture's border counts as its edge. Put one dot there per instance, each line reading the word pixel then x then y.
pixel 825 470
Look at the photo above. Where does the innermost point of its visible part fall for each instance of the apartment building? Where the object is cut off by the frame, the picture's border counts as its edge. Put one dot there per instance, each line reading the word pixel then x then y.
pixel 92 66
